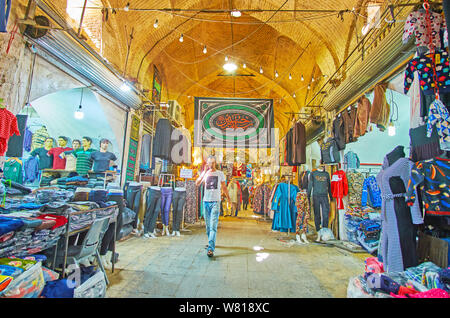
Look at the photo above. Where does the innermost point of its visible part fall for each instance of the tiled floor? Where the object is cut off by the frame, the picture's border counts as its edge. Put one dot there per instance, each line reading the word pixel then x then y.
pixel 179 267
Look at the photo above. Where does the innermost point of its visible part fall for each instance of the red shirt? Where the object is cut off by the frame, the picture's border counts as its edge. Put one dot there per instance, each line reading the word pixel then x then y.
pixel 339 187
pixel 8 124
pixel 58 163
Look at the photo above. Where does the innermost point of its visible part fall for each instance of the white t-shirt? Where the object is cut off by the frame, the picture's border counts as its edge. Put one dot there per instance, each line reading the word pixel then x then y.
pixel 213 185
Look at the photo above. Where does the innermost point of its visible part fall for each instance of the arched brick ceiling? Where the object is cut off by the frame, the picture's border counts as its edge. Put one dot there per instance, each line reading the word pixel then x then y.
pixel 322 39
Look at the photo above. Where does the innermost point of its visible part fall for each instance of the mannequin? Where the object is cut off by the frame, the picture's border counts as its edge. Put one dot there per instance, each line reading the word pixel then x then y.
pixel 45 160
pixel 179 201
pixel 84 163
pixel 152 209
pixel 103 158
pixel 166 202
pixel 71 160
pixel 234 195
pixel 58 162
pixel 320 187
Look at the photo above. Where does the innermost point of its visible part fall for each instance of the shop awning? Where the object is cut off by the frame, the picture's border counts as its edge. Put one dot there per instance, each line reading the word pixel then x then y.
pixel 82 60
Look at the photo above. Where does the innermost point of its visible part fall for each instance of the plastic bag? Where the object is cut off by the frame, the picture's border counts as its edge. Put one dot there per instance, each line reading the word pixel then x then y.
pixel 326 234
pixel 357 288
pixel 28 285
pixel 94 287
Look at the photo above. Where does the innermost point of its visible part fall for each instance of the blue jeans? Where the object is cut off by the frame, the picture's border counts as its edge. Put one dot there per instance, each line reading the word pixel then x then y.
pixel 212 211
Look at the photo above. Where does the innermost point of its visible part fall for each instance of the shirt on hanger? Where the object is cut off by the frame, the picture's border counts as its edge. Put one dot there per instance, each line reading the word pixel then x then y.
pixel 439 116
pixel 45 161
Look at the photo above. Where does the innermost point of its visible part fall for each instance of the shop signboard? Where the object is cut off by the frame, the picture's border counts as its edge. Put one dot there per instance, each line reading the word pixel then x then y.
pixel 157 86
pixel 186 173
pixel 133 148
pixel 233 123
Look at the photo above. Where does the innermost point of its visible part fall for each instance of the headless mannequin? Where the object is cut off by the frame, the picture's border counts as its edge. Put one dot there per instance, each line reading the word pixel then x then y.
pixel 178 189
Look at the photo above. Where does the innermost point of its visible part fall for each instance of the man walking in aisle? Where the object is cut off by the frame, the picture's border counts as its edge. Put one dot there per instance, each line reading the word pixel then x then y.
pixel 214 185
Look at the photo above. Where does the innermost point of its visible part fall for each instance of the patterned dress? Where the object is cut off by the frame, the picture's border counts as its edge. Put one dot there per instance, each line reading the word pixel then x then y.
pixel 191 208
pixel 303 212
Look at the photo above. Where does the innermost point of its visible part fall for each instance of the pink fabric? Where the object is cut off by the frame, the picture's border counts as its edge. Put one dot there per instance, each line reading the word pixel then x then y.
pixel 374 266
pixel 432 293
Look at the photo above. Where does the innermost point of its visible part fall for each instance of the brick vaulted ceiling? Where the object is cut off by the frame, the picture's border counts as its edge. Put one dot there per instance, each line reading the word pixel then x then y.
pixel 310 44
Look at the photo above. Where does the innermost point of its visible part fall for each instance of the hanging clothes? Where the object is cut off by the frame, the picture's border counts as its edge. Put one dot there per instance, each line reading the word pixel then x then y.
pixel 355 186
pixel 372 192
pixel 162 142
pixel 303 212
pixel 27 139
pixel 329 152
pixel 299 143
pixel 416 25
pixel 339 187
pixel 8 128
pixel 423 65
pixel 39 137
pixel 349 117
pixel 351 160
pixel 440 117
pixel 398 234
pixel 5 9
pixel 339 132
pixel 362 117
pixel 289 148
pixel 284 206
pixel 13 170
pixel 31 169
pixel 431 176
pixel 305 179
pixel 379 113
pixel 422 147
pixel 145 152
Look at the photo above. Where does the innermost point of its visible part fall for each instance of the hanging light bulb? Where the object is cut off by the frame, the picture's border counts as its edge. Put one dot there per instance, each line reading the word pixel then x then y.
pixel 261 70
pixel 236 13
pixel 230 67
pixel 155 25
pixel 127 7
pixel 312 79
pixel 244 65
pixel 309 87
pixel 294 95
pixel 290 76
pixel 302 79
pixel 204 50
pixel 79 113
pixel 181 38
pixel 226 58
pixel 276 73
pixel 391 129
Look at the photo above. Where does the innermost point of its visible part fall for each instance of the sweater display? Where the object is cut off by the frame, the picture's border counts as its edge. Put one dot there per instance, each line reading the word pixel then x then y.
pixel 8 128
pixel 431 177
pixel 319 184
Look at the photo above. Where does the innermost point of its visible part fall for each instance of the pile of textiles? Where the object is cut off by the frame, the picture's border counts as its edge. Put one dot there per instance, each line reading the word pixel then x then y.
pixel 369 235
pixel 70 181
pixel 411 283
pixel 27 233
pixel 50 195
pixel 24 277
pixel 360 212
pixel 429 275
pixel 82 220
pixel 14 188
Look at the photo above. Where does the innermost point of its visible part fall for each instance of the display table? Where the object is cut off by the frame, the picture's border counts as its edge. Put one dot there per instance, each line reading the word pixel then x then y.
pixel 65 173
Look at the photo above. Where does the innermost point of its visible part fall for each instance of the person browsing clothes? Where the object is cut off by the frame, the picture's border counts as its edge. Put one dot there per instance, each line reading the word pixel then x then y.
pixel 214 182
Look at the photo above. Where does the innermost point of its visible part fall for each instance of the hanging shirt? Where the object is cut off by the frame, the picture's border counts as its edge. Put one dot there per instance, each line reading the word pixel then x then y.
pixel 423 65
pixel 12 170
pixel 45 161
pixel 371 191
pixel 339 187
pixel 431 176
pixel 330 152
pixel 31 169
pixel 5 9
pixel 416 24
pixel 71 162
pixel 439 116
pixel 8 124
pixel 27 139
pixel 58 162
pixel 355 185
pixel 351 160
pixel 38 139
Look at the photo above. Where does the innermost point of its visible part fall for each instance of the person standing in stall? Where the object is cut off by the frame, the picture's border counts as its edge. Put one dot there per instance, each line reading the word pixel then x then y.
pixel 214 185
pixel 245 197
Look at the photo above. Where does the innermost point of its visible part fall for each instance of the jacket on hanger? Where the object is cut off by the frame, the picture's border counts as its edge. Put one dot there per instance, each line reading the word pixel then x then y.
pixel 330 152
pixel 351 160
pixel 162 143
pixel 362 117
pixel 372 192
pixel 299 143
pixel 379 113
pixel 349 117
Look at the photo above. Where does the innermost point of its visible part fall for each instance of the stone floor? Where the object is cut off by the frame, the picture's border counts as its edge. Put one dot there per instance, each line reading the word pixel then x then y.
pixel 250 261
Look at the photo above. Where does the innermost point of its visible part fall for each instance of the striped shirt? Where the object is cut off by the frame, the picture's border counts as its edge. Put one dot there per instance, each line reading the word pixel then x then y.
pixel 84 163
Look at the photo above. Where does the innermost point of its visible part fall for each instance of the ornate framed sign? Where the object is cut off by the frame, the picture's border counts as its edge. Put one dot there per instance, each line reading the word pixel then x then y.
pixel 233 123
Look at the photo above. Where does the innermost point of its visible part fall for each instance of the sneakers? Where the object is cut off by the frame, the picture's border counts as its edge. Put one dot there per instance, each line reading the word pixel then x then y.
pixel 177 233
pixel 149 235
